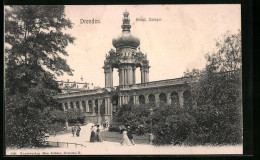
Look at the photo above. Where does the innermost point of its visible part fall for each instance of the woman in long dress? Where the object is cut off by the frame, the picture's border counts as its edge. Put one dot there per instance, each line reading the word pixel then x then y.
pixel 78 131
pixel 125 141
pixel 92 135
pixel 99 138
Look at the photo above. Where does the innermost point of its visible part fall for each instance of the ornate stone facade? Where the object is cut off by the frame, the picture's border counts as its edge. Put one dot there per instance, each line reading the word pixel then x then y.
pixel 98 104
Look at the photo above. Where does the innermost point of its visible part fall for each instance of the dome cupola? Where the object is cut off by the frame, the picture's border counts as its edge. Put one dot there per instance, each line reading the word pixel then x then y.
pixel 126 39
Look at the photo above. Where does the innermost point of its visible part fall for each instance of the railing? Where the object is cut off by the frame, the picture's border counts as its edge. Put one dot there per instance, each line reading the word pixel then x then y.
pixel 62 144
pixel 156 83
pixel 138 85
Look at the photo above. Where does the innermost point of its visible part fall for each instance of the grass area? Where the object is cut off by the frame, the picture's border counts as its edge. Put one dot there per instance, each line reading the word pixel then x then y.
pixel 117 137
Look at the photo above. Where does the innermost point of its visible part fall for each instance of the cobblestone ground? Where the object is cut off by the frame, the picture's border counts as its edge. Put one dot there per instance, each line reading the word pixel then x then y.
pixel 114 148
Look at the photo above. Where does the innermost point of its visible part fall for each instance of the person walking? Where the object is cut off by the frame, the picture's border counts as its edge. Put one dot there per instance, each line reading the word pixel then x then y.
pixel 130 135
pixel 73 130
pixel 78 130
pixel 99 138
pixel 125 141
pixel 92 135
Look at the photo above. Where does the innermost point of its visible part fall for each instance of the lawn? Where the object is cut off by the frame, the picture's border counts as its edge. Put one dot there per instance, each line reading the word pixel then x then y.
pixel 117 137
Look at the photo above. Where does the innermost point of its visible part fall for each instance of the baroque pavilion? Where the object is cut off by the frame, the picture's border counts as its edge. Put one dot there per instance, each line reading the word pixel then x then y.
pixel 99 104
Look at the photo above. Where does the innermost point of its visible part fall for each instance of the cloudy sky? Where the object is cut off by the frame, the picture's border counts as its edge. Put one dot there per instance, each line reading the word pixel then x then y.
pixel 176 43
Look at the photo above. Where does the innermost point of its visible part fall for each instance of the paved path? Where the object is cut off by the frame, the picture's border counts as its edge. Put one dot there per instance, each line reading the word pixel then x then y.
pixel 113 148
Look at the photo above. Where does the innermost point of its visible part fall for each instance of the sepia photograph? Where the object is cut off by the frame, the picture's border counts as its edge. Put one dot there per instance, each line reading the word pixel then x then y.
pixel 123 80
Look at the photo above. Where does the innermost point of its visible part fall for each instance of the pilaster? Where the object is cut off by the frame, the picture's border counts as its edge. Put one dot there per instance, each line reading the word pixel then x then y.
pixel 181 99
pixel 93 107
pixel 168 98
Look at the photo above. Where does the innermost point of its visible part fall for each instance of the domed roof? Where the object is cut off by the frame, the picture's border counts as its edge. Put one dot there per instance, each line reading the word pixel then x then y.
pixel 126 39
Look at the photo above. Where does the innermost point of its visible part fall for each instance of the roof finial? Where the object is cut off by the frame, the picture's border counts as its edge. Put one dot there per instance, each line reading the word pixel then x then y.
pixel 126 22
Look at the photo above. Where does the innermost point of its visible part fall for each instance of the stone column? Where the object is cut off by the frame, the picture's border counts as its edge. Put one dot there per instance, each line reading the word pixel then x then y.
pixel 134 68
pixel 130 76
pixel 105 79
pixel 157 99
pixel 105 105
pixel 142 75
pixel 108 76
pixel 168 98
pixel 127 75
pixel 147 76
pixel 128 99
pixel 80 106
pixel 123 100
pixel 87 106
pixel 137 100
pixel 111 74
pixel 74 106
pixel 63 106
pixel 124 78
pixel 119 75
pixel 119 100
pixel 93 107
pixel 181 99
pixel 108 105
pixel 99 104
pixel 111 110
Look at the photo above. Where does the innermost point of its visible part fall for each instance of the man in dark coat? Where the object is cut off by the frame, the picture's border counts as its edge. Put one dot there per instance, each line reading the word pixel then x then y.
pixel 130 135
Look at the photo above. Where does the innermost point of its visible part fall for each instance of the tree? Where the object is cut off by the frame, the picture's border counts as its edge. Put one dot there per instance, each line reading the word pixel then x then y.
pixel 217 90
pixel 228 56
pixel 34 46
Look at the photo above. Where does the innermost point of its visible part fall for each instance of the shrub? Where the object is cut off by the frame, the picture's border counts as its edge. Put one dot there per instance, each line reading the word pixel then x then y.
pixel 136 116
pixel 175 126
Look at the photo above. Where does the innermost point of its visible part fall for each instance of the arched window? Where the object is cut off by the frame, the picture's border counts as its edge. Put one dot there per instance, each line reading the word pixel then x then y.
pixel 175 99
pixel 163 98
pixel 141 99
pixel 66 106
pixel 90 106
pixel 71 105
pixel 84 106
pixel 187 99
pixel 77 105
pixel 151 98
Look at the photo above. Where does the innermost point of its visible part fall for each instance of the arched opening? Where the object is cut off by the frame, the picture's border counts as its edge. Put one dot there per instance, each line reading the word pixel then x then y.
pixel 114 101
pixel 71 105
pixel 90 106
pixel 77 106
pixel 96 106
pixel 115 77
pixel 131 101
pixel 66 106
pixel 187 99
pixel 151 98
pixel 175 99
pixel 137 75
pixel 141 99
pixel 163 98
pixel 84 106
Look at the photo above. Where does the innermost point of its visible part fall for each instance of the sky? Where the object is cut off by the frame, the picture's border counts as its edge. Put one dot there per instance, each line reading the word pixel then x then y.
pixel 179 41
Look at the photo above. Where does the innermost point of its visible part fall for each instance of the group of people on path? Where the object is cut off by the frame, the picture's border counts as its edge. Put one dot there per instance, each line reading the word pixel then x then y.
pixel 95 135
pixel 76 129
pixel 128 138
